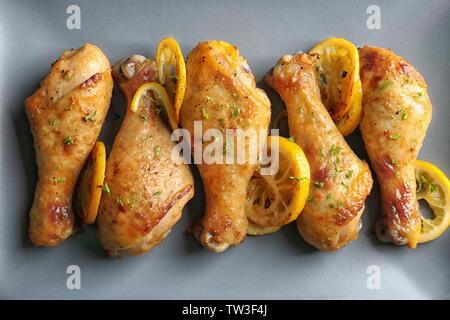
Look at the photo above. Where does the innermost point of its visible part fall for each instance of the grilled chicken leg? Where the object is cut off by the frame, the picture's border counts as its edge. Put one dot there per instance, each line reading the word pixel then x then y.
pixel 65 115
pixel 221 94
pixel 148 190
pixel 397 112
pixel 340 181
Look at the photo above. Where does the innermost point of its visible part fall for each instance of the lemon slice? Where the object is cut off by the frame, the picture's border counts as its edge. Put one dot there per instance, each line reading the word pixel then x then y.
pixel 350 121
pixel 172 72
pixel 338 74
pixel 275 200
pixel 434 187
pixel 89 188
pixel 255 230
pixel 156 93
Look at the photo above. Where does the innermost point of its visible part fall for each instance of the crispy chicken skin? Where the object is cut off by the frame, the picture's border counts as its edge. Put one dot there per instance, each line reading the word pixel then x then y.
pixel 78 85
pixel 148 189
pixel 340 181
pixel 221 93
pixel 397 112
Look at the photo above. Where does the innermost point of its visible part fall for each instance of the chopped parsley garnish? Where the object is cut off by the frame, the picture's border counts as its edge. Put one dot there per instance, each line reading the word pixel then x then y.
pixel 146 138
pixel 132 202
pixel 296 179
pixel 394 162
pixel 385 85
pixel 395 137
pixel 91 117
pixel 235 95
pixel 329 196
pixel 156 151
pixel 68 76
pixel 433 187
pixel 319 184
pixel 404 115
pixel 406 82
pixel 330 132
pixel 291 139
pixel 332 205
pixel 205 114
pixel 236 112
pixel 391 116
pixel 57 168
pixel 106 188
pixel 157 193
pixel 311 198
pixel 119 201
pixel 207 99
pixel 58 180
pixel 349 174
pixel 422 179
pixel 68 140
pixel 335 151
pixel 143 116
pixel 344 184
pixel 221 120
pixel 397 174
pixel 52 122
pixel 299 110
pixel 69 108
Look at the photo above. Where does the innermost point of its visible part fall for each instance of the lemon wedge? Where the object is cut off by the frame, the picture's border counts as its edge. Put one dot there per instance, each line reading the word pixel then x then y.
pixel 156 93
pixel 434 187
pixel 172 72
pixel 275 200
pixel 90 184
pixel 340 85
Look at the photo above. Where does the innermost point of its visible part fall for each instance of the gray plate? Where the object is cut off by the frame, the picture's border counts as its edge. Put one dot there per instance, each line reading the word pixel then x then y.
pixel 276 266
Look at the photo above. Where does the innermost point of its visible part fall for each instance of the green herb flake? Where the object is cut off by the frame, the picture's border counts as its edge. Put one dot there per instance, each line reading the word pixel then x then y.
pixel 344 184
pixel 68 75
pixel 57 168
pixel 299 110
pixel 422 179
pixel 385 85
pixel 157 193
pixel 221 120
pixel 91 116
pixel 69 108
pixel 146 138
pixel 407 80
pixel 319 184
pixel 329 196
pixel 205 113
pixel 311 198
pixel 330 132
pixel 395 137
pixel 207 99
pixel 349 174
pixel 291 139
pixel 236 112
pixel 433 187
pixel 390 116
pixel 52 122
pixel 332 205
pixel 119 201
pixel 106 189
pixel 58 180
pixel 156 151
pixel 404 114
pixel 335 151
pixel 394 162
pixel 296 179
pixel 144 117
pixel 235 95
pixel 68 140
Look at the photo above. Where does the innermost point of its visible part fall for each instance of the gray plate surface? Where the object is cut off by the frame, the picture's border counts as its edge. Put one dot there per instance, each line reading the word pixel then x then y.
pixel 276 266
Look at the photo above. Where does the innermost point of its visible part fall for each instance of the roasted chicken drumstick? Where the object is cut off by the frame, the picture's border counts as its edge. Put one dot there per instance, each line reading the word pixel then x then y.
pixel 221 94
pixel 340 181
pixel 65 115
pixel 397 112
pixel 148 189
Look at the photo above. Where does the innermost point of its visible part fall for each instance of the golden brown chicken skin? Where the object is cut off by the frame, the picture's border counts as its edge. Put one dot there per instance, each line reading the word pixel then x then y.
pixel 340 181
pixel 221 94
pixel 148 190
pixel 66 115
pixel 397 112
